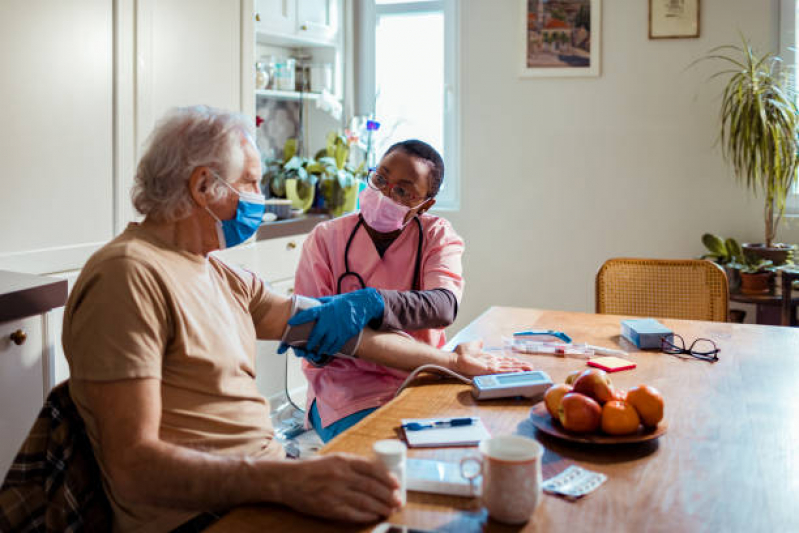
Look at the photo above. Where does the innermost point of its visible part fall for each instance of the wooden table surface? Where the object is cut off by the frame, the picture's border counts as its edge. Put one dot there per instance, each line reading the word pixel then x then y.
pixel 729 461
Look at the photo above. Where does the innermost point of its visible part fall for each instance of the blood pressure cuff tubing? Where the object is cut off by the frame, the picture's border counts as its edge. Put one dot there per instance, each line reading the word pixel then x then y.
pixel 297 336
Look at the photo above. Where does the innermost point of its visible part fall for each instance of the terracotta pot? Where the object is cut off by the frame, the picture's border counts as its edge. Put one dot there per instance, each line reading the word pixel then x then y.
pixel 777 254
pixel 755 283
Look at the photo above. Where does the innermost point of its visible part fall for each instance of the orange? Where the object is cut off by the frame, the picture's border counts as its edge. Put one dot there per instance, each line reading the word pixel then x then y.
pixel 648 402
pixel 619 418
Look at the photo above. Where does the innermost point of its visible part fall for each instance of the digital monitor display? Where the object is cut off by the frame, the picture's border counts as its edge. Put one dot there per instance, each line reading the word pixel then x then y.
pixel 518 378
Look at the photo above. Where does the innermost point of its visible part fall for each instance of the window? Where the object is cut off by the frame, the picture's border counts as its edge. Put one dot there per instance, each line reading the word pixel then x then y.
pixel 789 17
pixel 411 77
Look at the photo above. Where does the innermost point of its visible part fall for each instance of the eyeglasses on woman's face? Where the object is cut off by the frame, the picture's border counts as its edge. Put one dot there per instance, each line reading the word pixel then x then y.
pixel 704 349
pixel 397 192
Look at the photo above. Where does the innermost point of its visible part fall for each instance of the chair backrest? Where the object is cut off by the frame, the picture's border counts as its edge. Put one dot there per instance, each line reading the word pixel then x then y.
pixel 54 481
pixel 689 289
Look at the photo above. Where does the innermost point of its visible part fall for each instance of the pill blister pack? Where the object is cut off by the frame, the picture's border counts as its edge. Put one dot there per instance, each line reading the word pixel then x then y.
pixel 574 482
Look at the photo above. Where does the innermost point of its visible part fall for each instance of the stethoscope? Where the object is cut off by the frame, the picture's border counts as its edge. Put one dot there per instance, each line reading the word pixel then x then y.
pixel 348 272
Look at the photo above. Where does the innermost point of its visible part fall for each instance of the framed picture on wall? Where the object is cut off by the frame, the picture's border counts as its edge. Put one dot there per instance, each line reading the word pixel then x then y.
pixel 560 37
pixel 673 19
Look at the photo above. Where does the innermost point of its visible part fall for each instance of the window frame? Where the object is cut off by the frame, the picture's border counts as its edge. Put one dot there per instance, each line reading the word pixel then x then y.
pixel 788 46
pixel 367 79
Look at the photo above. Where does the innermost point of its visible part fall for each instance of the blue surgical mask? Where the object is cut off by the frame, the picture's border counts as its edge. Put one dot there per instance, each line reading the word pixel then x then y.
pixel 249 215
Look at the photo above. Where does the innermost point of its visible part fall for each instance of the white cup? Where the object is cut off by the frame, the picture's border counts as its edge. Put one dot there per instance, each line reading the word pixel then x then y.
pixel 511 469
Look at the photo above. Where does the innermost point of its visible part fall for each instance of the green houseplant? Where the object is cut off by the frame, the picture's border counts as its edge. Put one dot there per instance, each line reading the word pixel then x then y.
pixel 291 176
pixel 727 254
pixel 759 133
pixel 339 180
pixel 756 274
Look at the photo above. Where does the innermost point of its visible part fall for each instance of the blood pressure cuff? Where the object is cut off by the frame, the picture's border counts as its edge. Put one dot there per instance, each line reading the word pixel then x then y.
pixel 297 336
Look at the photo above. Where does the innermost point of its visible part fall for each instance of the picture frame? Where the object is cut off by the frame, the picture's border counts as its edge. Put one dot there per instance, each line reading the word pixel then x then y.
pixel 560 38
pixel 674 19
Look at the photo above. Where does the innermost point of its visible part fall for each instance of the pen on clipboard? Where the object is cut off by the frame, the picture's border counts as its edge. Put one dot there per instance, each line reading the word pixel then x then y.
pixel 445 423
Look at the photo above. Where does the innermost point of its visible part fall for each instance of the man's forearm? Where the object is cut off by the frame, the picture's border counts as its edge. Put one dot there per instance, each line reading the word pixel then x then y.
pixel 401 352
pixel 166 475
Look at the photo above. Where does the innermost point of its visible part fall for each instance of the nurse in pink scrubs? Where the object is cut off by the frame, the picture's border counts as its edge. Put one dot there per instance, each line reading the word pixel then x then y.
pixel 392 266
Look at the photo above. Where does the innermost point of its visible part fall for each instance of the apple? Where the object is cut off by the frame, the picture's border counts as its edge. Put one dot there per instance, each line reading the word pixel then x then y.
pixel 572 376
pixel 553 396
pixel 595 384
pixel 579 413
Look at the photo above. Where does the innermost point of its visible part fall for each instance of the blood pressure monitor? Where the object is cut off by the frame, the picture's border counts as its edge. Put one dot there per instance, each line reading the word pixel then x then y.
pixel 527 384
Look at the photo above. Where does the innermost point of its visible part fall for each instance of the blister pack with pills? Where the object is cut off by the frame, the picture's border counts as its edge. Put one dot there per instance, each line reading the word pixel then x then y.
pixel 574 482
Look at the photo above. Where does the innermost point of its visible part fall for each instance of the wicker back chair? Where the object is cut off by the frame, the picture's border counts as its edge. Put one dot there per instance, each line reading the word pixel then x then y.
pixel 688 289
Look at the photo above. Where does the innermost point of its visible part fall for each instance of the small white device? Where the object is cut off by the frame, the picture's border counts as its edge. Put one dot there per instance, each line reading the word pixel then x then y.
pixel 527 384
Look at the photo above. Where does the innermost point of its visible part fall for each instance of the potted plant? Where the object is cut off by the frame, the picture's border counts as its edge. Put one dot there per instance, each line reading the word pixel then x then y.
pixel 727 254
pixel 756 274
pixel 339 181
pixel 292 177
pixel 759 134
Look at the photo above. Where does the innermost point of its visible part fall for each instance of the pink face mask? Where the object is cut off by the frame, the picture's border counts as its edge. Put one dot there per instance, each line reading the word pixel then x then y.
pixel 381 212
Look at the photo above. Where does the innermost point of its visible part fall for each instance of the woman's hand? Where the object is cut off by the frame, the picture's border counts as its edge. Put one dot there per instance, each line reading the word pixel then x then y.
pixel 471 360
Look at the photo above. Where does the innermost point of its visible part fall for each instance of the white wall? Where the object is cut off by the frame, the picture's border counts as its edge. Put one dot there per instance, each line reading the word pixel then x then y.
pixel 560 174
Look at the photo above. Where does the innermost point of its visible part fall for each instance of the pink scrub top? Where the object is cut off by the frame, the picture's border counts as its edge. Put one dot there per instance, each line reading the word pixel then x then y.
pixel 346 386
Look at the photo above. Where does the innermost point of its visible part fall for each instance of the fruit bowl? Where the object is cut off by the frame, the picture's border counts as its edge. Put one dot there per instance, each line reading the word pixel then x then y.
pixel 544 422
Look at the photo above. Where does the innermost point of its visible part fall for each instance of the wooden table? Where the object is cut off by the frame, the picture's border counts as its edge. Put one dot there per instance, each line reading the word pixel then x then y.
pixel 729 462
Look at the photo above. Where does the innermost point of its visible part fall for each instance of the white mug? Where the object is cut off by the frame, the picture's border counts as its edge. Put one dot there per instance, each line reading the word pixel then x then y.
pixel 511 469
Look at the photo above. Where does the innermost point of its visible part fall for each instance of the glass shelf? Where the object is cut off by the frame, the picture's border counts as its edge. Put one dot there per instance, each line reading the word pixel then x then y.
pixel 286 95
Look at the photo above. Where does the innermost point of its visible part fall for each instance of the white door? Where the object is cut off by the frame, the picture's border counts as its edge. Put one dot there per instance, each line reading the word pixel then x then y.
pixel 56 112
pixel 21 384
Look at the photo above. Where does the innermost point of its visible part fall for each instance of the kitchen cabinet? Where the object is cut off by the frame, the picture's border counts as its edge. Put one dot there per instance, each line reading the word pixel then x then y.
pixel 276 16
pixel 298 22
pixel 26 354
pixel 21 383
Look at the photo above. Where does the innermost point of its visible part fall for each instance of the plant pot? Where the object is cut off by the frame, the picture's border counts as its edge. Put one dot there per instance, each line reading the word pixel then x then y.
pixel 755 283
pixel 350 201
pixel 777 254
pixel 301 194
pixel 733 277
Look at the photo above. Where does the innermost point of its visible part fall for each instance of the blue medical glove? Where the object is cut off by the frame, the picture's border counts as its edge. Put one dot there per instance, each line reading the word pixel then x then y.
pixel 339 318
pixel 313 358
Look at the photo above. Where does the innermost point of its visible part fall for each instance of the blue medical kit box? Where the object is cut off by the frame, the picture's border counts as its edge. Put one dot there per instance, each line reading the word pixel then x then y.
pixel 645 332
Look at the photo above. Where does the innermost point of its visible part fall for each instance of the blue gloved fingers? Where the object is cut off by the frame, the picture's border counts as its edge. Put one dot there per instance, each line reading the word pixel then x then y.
pixel 283 348
pixel 303 317
pixel 313 358
pixel 326 299
pixel 317 337
pixel 333 343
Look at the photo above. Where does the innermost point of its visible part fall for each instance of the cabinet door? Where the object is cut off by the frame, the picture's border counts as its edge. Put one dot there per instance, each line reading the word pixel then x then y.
pixel 21 385
pixel 317 19
pixel 275 16
pixel 56 143
pixel 277 259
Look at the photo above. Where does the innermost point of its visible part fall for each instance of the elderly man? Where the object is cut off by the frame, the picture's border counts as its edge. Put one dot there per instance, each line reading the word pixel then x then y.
pixel 160 339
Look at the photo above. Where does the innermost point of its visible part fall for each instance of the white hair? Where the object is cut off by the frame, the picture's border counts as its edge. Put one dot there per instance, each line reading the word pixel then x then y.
pixel 186 138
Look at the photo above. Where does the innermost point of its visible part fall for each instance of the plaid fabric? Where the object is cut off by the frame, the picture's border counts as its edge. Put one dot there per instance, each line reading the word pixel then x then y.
pixel 54 483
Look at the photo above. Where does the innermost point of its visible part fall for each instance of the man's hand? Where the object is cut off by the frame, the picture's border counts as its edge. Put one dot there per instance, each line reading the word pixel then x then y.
pixel 339 318
pixel 470 360
pixel 341 487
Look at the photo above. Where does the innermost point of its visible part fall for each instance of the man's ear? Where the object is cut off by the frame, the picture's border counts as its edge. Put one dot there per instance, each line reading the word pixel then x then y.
pixel 198 185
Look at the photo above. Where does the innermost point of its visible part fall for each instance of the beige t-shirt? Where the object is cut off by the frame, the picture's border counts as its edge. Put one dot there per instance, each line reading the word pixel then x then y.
pixel 142 308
